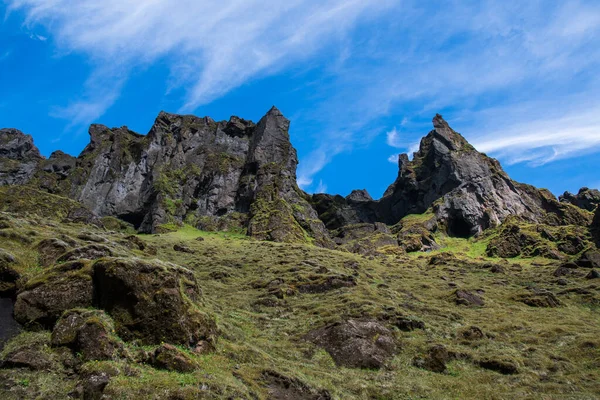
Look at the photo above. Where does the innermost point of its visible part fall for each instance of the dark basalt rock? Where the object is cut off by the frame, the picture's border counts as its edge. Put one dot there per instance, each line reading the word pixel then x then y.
pixel 588 199
pixel 185 168
pixel 465 298
pixel 589 259
pixel 42 302
pixel 356 343
pixel 593 274
pixel 540 299
pixel 435 360
pixel 468 191
pixel 50 250
pixel 19 157
pixel 170 358
pixel 90 333
pixel 153 301
pixel 282 387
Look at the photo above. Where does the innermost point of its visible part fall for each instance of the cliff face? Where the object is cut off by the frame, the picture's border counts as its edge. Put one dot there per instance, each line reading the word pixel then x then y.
pixel 239 175
pixel 233 173
pixel 18 157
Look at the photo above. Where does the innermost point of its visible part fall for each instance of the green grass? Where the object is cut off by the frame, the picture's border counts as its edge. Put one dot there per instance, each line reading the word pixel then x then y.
pixel 557 350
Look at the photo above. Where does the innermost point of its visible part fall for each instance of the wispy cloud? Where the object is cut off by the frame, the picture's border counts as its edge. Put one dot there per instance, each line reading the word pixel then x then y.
pixel 543 139
pixel 393 138
pixel 471 57
pixel 393 158
pixel 211 47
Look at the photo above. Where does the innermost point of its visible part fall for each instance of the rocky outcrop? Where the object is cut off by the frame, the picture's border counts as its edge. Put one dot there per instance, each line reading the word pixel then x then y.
pixel 356 343
pixel 588 199
pixel 239 175
pixel 152 302
pixel 468 191
pixel 185 168
pixel 19 157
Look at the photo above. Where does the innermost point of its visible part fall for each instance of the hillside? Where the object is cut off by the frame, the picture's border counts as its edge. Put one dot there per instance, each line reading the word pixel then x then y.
pixel 188 264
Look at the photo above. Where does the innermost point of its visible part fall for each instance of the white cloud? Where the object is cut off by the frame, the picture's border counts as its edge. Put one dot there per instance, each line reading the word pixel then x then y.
pixel 393 139
pixel 544 138
pixel 393 158
pixel 211 47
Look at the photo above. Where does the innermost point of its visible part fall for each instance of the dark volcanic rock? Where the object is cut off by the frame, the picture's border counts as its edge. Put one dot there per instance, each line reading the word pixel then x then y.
pixel 170 358
pixel 89 333
pixel 435 360
pixel 282 387
pixel 60 289
pixel 356 343
pixel 465 298
pixel 151 301
pixel 185 168
pixel 470 190
pixel 587 199
pixel 18 157
pixel 50 250
pixel 506 367
pixel 589 259
pixel 539 299
pixel 593 274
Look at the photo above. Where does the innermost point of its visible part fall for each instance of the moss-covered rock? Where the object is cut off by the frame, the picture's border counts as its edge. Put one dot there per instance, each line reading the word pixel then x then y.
pixel 152 301
pixel 89 333
pixel 45 297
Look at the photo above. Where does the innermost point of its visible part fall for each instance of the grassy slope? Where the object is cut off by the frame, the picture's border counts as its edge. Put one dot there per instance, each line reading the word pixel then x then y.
pixel 557 350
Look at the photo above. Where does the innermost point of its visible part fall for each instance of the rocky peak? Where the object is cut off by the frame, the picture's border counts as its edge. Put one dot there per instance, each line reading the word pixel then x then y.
pixel 18 157
pixel 16 145
pixel 468 191
pixel 359 195
pixel 586 198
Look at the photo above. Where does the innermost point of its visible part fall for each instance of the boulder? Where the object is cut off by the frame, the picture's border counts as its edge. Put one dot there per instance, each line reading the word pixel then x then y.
pixel 466 298
pixel 503 366
pixel 435 360
pixel 170 358
pixel 282 387
pixel 152 301
pixel 543 299
pixel 43 300
pixel 89 333
pixel 593 274
pixel 356 343
pixel 89 252
pixel 50 250
pixel 589 259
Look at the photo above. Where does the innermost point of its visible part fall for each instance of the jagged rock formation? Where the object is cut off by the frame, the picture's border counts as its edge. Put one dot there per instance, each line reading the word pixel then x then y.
pixel 18 157
pixel 586 198
pixel 239 175
pixel 186 169
pixel 469 191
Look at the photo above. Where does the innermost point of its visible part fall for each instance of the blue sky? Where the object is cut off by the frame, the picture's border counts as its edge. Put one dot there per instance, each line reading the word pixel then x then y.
pixel 360 80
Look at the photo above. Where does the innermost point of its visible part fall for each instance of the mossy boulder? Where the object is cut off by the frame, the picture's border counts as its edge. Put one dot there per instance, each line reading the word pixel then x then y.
pixel 89 252
pixel 50 250
pixel 170 358
pixel 356 343
pixel 152 301
pixel 45 297
pixel 89 333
